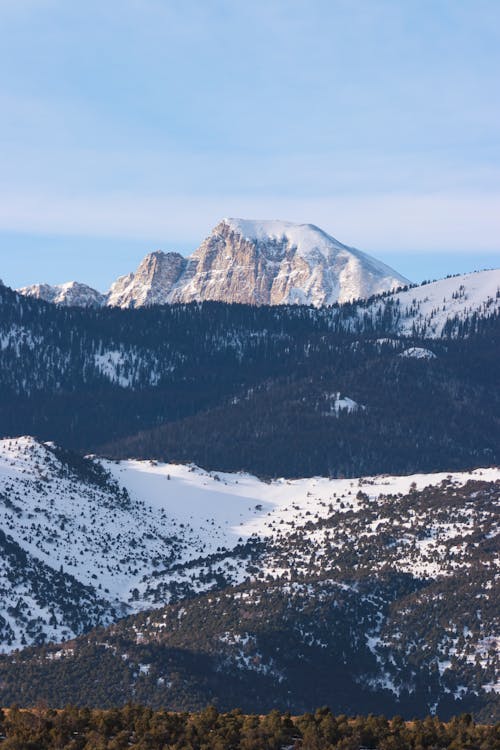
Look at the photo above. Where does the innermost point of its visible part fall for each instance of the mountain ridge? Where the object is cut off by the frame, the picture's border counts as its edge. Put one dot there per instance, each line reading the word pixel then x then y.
pixel 247 261
pixel 218 380
pixel 69 293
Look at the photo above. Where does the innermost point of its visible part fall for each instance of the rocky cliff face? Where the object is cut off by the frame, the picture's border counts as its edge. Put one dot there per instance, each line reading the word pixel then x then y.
pixel 252 262
pixel 72 293
pixel 152 282
pixel 277 262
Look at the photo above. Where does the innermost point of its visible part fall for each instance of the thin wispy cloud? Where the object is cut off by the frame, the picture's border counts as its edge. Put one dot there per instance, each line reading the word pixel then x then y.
pixel 423 222
pixel 151 120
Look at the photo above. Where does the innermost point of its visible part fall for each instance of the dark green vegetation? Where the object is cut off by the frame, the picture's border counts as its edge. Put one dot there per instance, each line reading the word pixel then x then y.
pixel 235 387
pixel 334 614
pixel 137 727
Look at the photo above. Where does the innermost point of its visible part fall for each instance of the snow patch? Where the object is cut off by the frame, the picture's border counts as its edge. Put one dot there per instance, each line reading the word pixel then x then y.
pixel 418 352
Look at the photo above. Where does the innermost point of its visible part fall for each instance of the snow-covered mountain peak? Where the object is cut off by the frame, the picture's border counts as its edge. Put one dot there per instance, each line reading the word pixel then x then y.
pixel 305 237
pixel 70 293
pixel 271 262
pixel 265 262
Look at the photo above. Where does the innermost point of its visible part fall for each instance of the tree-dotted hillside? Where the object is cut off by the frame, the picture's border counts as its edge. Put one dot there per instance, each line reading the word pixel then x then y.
pixel 372 603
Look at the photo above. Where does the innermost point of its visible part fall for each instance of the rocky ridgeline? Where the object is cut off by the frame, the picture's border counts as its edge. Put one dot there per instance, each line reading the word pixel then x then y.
pixel 72 294
pixel 252 262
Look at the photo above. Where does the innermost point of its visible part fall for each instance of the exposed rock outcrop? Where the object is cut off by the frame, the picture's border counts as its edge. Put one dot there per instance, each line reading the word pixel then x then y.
pixel 70 294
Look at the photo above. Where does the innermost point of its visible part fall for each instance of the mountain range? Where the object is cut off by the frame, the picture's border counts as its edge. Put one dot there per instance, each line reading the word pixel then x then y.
pixel 284 505
pixel 227 386
pixel 251 262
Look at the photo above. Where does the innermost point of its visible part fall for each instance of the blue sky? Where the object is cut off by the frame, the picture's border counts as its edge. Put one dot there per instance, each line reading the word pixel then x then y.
pixel 132 125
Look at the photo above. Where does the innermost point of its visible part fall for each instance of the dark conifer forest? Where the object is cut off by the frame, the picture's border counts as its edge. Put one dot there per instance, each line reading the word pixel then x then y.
pixel 234 387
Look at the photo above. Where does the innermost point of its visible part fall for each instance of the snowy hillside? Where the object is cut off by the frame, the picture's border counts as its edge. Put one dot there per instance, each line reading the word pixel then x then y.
pixel 276 585
pixel 124 536
pixel 431 309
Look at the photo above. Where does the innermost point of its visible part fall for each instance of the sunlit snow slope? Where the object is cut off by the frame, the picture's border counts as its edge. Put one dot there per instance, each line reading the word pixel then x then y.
pixel 110 538
pixel 428 308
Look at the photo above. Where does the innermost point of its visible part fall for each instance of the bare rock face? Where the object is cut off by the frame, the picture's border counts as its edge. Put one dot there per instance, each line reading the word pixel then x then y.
pixel 277 262
pixel 70 294
pixel 258 263
pixel 151 283
pixel 252 262
pixel 230 267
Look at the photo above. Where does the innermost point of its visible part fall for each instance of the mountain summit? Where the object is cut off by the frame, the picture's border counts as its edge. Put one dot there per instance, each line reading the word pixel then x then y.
pixel 246 261
pixel 277 262
pixel 70 294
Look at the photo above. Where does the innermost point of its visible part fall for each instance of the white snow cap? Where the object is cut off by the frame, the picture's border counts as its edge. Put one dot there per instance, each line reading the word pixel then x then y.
pixel 305 237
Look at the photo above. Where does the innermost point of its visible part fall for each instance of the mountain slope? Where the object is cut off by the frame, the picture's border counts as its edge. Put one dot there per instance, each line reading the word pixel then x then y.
pixel 442 308
pixel 431 309
pixel 412 414
pixel 143 533
pixel 251 262
pixel 258 388
pixel 369 594
pixel 47 508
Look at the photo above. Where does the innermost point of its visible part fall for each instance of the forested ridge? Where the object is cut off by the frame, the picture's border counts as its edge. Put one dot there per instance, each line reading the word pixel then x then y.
pixel 235 387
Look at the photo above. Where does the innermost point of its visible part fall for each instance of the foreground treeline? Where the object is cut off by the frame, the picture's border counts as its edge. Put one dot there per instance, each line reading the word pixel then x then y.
pixel 142 728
